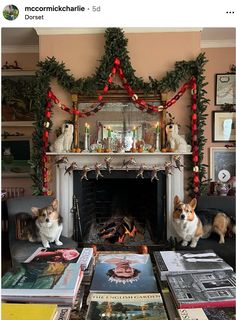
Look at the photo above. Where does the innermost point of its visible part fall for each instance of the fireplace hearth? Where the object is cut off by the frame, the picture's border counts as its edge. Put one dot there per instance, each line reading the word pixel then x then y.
pixel 107 207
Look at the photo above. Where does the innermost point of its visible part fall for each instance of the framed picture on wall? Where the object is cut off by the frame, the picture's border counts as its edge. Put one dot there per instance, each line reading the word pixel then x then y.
pixel 223 126
pixel 225 89
pixel 222 162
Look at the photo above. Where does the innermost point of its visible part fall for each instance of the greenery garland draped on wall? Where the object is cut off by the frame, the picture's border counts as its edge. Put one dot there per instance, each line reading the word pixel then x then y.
pixel 115 46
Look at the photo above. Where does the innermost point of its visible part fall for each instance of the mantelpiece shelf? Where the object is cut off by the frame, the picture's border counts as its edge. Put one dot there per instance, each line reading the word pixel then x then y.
pixel 114 154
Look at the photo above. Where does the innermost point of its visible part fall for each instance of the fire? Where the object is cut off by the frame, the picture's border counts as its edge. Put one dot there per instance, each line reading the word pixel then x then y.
pixel 131 234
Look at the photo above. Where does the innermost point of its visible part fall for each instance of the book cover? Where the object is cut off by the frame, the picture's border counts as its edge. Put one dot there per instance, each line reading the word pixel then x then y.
pixel 177 262
pixel 204 289
pixel 228 313
pixel 36 280
pixel 126 306
pixel 28 311
pixel 124 272
pixel 66 255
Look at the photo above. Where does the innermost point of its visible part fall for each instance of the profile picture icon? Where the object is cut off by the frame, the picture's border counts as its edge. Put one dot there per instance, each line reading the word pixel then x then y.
pixel 10 12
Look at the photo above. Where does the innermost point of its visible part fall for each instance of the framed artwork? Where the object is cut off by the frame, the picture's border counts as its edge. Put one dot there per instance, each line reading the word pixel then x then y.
pixel 225 89
pixel 222 162
pixel 16 153
pixel 223 126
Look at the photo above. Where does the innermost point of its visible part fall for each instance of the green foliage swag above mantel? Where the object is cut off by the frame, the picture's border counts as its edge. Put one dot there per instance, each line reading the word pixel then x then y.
pixel 115 46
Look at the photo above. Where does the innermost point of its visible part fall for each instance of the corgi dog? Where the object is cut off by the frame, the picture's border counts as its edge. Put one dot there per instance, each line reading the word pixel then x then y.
pixel 190 228
pixel 49 226
pixel 186 223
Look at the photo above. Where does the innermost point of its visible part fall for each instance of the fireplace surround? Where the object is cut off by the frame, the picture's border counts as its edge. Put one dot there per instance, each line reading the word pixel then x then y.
pixel 64 187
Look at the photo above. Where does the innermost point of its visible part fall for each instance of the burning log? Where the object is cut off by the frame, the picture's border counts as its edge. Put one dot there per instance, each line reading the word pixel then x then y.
pixel 118 230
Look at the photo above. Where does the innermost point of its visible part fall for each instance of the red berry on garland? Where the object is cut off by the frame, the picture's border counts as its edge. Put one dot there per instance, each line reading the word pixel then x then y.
pixel 99 99
pixel 194 107
pixel 117 61
pixel 195 149
pixel 195 158
pixel 194 127
pixel 194 137
pixel 110 79
pixel 196 179
pixel 194 116
pixel 113 70
pixel 105 89
pixel 121 74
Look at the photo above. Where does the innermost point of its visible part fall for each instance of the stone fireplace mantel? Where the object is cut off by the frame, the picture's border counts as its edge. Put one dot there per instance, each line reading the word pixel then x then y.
pixel 64 182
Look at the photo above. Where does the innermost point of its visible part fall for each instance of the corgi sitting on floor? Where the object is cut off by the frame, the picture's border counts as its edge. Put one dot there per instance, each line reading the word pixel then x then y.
pixel 48 224
pixel 190 228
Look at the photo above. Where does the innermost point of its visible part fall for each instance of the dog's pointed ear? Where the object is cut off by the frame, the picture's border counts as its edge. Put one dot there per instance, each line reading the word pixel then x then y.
pixel 193 203
pixel 55 204
pixel 35 211
pixel 176 200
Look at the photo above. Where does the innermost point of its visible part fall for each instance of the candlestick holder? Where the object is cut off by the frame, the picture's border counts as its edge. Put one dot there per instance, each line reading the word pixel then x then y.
pixel 86 142
pixel 157 144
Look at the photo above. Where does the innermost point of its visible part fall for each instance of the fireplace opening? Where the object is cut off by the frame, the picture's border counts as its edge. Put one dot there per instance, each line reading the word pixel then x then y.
pixel 120 208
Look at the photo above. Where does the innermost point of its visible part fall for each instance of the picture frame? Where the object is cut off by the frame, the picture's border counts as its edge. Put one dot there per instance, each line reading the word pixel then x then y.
pixel 223 126
pixel 221 158
pixel 225 89
pixel 15 156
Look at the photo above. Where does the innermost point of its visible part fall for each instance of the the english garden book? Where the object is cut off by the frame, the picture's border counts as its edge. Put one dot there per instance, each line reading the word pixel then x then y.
pixel 227 313
pixel 211 289
pixel 126 306
pixel 81 256
pixel 124 272
pixel 177 262
pixel 42 282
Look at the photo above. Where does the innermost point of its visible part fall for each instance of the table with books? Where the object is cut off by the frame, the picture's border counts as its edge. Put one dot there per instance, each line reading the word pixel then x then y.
pixel 76 284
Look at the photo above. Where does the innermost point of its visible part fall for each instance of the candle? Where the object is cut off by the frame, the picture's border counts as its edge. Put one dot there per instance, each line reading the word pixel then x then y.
pixel 109 132
pixel 87 128
pixel 134 132
pixel 157 128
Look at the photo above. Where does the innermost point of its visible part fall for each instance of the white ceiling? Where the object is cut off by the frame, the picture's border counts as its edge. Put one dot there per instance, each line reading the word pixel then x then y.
pixel 29 36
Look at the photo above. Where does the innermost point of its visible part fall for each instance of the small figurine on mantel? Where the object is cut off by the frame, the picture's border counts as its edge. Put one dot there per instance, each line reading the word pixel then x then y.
pixel 154 173
pixel 175 142
pixel 61 160
pixel 127 163
pixel 177 161
pixel 108 161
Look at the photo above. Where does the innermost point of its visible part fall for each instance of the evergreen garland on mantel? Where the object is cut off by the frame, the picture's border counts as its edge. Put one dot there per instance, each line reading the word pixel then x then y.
pixel 115 46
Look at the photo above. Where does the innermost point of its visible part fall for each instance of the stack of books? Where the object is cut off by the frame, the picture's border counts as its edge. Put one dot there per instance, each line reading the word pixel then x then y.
pixel 124 287
pixel 199 283
pixel 47 276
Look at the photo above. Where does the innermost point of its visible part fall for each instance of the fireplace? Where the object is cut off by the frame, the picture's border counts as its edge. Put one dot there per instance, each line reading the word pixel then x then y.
pixel 173 183
pixel 120 198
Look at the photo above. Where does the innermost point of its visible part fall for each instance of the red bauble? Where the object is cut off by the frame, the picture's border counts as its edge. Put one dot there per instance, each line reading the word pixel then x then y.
pixel 113 70
pixel 121 74
pixel 195 149
pixel 194 127
pixel 194 137
pixel 142 249
pixel 48 114
pixel 195 179
pixel 117 61
pixel 99 99
pixel 110 80
pixel 194 116
pixel 105 89
pixel 194 107
pixel 195 158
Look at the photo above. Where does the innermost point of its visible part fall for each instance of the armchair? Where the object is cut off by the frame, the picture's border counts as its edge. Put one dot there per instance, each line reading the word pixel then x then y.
pixel 20 250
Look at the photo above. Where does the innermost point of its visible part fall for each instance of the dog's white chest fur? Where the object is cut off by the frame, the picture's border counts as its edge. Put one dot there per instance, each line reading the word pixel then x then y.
pixel 50 233
pixel 186 229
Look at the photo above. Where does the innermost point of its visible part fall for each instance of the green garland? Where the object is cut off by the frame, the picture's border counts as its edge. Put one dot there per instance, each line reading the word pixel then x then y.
pixel 115 46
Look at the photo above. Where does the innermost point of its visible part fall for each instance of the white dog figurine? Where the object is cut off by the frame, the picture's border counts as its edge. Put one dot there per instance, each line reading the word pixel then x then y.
pixel 176 142
pixel 64 140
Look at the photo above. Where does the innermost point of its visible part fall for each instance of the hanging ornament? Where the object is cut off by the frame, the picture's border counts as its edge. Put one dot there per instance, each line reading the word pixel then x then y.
pixel 141 171
pixel 86 169
pixel 108 161
pixel 154 172
pixel 127 163
pixel 72 167
pixel 177 162
pixel 168 166
pixel 98 170
pixel 61 160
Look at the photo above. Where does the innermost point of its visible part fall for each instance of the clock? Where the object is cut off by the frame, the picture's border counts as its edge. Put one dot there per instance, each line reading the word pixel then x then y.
pixel 224 175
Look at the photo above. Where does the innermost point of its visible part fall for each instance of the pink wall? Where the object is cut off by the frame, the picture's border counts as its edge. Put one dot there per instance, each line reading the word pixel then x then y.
pixel 219 60
pixel 152 54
